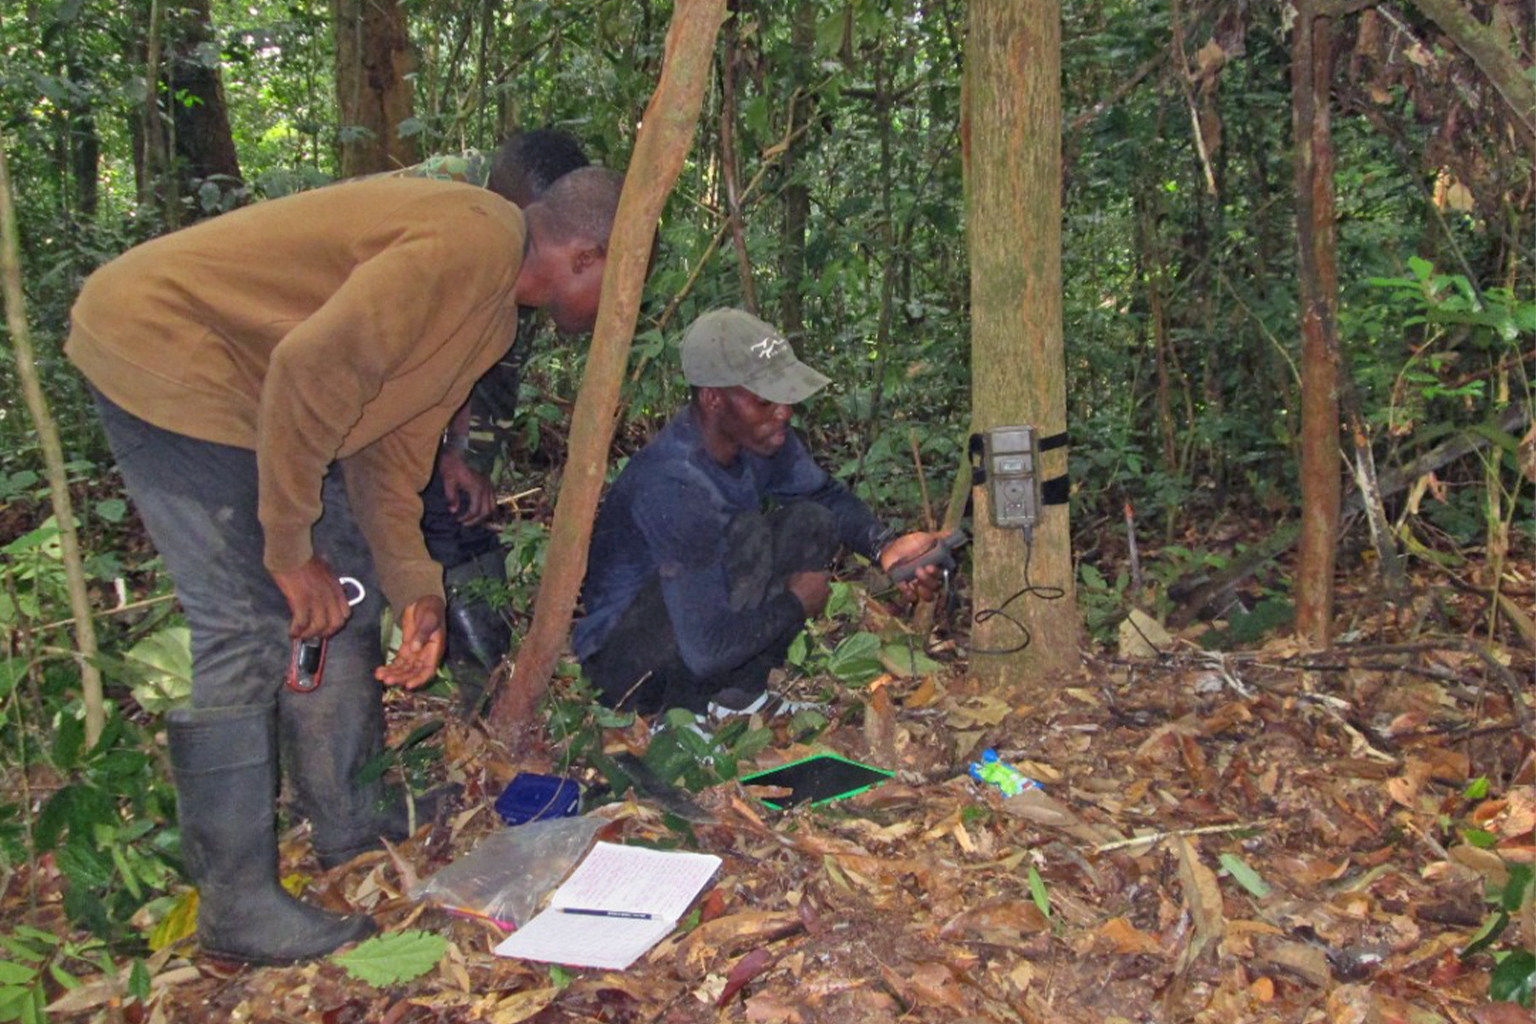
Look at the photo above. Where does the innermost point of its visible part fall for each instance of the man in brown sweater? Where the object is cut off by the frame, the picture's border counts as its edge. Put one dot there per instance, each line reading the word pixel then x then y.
pixel 274 384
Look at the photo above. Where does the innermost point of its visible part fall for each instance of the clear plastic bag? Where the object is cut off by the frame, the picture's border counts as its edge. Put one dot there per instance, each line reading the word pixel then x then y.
pixel 504 878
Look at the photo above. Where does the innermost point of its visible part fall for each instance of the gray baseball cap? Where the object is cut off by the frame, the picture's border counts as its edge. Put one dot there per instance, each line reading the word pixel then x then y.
pixel 729 347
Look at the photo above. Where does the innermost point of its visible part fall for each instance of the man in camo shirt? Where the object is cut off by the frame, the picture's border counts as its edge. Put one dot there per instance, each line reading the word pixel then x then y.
pixel 460 498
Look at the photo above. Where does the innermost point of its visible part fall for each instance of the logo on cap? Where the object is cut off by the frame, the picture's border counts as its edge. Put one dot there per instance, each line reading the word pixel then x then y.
pixel 768 346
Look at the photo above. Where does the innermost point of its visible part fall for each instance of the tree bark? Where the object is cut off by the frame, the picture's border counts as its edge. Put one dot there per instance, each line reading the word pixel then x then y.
pixel 53 460
pixel 204 147
pixel 1011 138
pixel 1317 266
pixel 373 94
pixel 1489 53
pixel 729 166
pixel 797 195
pixel 156 183
pixel 665 136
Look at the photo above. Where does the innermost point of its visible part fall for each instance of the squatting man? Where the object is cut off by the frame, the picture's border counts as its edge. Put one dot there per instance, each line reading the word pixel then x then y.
pixel 693 591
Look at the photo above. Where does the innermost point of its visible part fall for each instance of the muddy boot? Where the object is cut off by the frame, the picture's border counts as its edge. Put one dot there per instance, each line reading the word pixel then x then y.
pixel 226 787
pixel 478 632
pixel 332 739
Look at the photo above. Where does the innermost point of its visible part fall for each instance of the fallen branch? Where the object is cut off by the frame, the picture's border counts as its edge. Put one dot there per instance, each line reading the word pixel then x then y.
pixel 1157 837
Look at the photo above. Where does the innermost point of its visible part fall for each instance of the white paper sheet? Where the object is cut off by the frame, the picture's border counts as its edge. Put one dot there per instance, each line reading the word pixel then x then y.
pixel 651 888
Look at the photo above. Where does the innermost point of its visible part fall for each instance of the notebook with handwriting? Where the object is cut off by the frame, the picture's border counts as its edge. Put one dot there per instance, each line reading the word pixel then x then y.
pixel 618 903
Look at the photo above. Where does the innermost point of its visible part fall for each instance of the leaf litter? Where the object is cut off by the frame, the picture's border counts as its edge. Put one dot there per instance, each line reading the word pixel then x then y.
pixel 1218 838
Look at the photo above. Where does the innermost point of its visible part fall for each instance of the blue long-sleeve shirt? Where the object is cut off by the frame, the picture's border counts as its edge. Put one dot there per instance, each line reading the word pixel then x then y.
pixel 666 516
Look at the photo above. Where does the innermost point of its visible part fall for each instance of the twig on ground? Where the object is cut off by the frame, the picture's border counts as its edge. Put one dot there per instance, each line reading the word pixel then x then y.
pixel 1157 837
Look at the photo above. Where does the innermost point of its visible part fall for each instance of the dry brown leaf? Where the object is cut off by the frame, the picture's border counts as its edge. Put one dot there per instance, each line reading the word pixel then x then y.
pixel 1405 788
pixel 1307 962
pixel 1036 806
pixel 928 692
pixel 773 1008
pixel 1485 862
pixel 1119 935
pixel 520 1006
pixel 1003 923
pixel 936 985
pixel 1519 815
pixel 1237 939
pixel 982 710
pixel 1202 897
pixel 1501 1013
pixel 726 936
pixel 1353 1004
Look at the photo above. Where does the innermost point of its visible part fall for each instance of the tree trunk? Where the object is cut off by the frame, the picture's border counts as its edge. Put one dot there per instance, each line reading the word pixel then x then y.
pixel 373 94
pixel 729 172
pixel 156 183
pixel 1011 134
pixel 797 195
pixel 665 136
pixel 205 147
pixel 53 460
pixel 1154 274
pixel 1317 266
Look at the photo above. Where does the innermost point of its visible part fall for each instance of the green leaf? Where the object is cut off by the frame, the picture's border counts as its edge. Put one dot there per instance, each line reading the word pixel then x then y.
pixel 1514 979
pixel 908 660
pixel 856 660
pixel 1244 875
pixel 16 974
pixel 1477 789
pixel 806 723
pixel 138 981
pixel 560 978
pixel 163 663
pixel 1037 891
pixel 112 509
pixel 12 999
pixel 1479 838
pixel 392 959
pixel 1491 930
pixel 1514 890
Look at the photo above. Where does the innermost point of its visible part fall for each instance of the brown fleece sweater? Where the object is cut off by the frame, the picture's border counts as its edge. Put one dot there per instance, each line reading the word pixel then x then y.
pixel 345 323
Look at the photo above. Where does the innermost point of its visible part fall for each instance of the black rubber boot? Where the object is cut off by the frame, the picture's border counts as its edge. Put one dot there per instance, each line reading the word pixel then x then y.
pixel 478 633
pixel 332 738
pixel 226 787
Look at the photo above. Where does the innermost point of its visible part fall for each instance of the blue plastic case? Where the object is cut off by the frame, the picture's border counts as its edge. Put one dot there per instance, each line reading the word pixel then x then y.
pixel 531 797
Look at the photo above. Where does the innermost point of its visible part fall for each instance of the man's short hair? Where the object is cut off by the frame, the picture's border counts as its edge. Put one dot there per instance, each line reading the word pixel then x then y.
pixel 527 163
pixel 582 204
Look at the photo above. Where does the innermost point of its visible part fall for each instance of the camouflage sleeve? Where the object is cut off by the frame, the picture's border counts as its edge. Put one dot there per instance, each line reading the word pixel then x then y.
pixel 493 402
pixel 471 166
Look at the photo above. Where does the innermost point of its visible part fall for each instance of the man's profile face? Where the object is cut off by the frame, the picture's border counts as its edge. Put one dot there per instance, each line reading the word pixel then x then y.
pixel 752 422
pixel 574 305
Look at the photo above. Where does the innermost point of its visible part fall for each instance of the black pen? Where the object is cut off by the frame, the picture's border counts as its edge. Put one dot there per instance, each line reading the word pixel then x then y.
pixel 627 914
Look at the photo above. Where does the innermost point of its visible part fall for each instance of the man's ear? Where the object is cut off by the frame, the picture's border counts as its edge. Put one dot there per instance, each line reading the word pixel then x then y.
pixel 588 256
pixel 710 399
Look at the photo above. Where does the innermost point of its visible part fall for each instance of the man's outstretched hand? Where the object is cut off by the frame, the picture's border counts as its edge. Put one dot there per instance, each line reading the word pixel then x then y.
pixel 471 498
pixel 315 599
pixel 905 548
pixel 422 639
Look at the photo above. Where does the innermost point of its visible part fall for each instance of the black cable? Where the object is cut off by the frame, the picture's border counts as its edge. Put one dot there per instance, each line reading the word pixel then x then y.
pixel 1049 593
pixel 1044 593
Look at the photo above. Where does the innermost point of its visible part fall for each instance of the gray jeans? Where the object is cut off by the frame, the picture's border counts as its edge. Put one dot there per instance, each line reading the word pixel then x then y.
pixel 198 501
